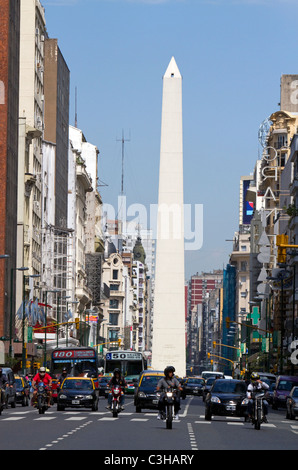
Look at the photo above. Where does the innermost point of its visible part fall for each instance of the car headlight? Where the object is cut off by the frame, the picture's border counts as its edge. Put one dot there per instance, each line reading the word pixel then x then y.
pixel 89 397
pixel 63 397
pixel 245 401
pixel 215 400
pixel 169 394
pixel 141 394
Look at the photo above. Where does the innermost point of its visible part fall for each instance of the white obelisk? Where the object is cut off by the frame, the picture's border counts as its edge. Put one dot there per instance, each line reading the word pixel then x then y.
pixel 168 345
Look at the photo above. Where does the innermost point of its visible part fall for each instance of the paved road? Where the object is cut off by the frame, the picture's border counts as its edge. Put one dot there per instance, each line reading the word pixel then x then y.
pixel 24 429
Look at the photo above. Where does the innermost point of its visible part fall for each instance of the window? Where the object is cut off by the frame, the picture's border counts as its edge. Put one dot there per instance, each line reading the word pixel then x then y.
pixel 113 335
pixel 113 319
pixel 114 303
pixel 115 273
pixel 243 247
pixel 114 287
pixel 243 266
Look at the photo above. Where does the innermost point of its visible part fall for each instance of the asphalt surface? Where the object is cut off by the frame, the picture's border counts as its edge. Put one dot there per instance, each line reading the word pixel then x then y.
pixel 23 428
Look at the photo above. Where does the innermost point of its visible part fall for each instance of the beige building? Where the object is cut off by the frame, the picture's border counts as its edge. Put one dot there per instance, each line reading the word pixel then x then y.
pixel 115 276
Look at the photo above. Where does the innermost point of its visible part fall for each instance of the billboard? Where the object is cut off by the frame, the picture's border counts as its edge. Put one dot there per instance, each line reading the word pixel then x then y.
pixel 247 206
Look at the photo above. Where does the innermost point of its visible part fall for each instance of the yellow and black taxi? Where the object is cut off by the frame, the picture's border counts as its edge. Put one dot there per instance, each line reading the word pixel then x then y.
pixel 22 390
pixel 145 392
pixel 193 386
pixel 77 392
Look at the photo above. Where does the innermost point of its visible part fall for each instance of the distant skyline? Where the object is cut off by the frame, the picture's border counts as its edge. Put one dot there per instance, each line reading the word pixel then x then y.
pixel 231 55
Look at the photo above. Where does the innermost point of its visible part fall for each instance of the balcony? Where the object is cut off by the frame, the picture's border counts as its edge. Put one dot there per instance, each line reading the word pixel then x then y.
pixel 84 178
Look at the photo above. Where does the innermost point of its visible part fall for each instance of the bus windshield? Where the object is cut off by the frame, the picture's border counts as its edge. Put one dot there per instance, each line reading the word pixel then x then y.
pixel 77 362
pixel 129 362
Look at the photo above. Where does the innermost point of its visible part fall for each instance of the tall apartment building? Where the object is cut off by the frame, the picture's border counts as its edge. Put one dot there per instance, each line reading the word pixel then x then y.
pixel 199 314
pixel 31 112
pixel 56 121
pixel 202 283
pixel 9 92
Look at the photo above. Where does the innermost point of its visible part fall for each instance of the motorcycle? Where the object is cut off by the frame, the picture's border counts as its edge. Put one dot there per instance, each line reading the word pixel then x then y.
pixel 42 398
pixel 169 399
pixel 116 395
pixel 258 410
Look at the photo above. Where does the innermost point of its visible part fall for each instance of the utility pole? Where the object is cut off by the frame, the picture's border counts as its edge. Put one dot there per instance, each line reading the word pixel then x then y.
pixel 123 140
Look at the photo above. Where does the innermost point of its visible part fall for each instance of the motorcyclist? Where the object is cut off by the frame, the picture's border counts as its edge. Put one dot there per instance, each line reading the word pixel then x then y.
pixel 3 385
pixel 256 385
pixel 62 377
pixel 168 381
pixel 42 376
pixel 116 380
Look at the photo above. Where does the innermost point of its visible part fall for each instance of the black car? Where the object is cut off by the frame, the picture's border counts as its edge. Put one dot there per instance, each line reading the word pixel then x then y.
pixel 77 392
pixel 145 393
pixel 103 386
pixel 193 386
pixel 226 398
pixel 207 387
pixel 292 404
pixel 22 391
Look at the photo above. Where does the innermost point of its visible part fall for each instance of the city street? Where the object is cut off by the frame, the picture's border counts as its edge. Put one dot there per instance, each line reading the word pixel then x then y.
pixel 24 429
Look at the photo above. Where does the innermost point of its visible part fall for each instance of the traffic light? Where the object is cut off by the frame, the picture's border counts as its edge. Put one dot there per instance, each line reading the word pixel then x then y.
pixel 228 321
pixel 119 342
pixel 208 354
pixel 282 251
pixel 77 322
pixel 214 344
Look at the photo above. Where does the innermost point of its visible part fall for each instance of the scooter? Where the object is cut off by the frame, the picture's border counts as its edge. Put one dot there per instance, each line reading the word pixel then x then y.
pixel 42 398
pixel 116 395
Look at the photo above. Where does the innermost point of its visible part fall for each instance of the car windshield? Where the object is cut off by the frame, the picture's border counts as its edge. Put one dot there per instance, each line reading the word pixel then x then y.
pixel 229 387
pixel 195 381
pixel 295 392
pixel 77 385
pixel 210 381
pixel 286 385
pixel 150 381
pixel 19 383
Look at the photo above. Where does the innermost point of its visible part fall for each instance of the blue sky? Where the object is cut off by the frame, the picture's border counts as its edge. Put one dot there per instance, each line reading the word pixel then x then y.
pixel 231 54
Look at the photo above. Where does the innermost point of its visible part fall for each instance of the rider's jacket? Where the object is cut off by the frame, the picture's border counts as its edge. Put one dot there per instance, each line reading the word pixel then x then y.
pixel 121 382
pixel 165 384
pixel 254 387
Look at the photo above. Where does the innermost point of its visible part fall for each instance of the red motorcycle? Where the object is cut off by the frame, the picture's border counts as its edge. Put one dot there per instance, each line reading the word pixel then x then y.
pixel 116 400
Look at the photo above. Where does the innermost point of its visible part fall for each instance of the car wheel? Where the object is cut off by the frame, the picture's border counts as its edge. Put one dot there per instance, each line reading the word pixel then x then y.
pixel 138 409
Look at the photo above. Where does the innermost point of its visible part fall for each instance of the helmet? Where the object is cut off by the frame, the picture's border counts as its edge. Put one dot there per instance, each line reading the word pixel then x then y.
pixel 255 376
pixel 42 370
pixel 117 371
pixel 169 369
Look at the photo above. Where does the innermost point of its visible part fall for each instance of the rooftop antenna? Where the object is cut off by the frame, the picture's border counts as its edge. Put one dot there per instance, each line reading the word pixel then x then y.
pixel 123 140
pixel 76 107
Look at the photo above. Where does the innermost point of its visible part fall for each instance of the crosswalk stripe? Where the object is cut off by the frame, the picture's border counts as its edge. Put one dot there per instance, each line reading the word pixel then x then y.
pixel 13 418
